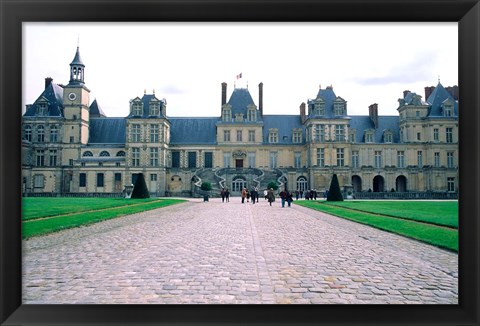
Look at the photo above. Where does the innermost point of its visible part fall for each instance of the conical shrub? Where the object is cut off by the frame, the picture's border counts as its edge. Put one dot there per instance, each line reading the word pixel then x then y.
pixel 140 189
pixel 334 193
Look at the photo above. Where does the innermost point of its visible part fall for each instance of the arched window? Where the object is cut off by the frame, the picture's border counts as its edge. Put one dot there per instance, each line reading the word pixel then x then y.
pixel 302 183
pixel 104 153
pixel 28 133
pixel 238 184
pixel 87 154
pixel 120 154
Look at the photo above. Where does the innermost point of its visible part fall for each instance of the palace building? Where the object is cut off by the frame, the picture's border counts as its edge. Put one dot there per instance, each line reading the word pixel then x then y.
pixel 70 147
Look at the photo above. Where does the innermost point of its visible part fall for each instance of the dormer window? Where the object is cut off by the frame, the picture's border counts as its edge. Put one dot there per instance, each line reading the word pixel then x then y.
pixel 369 136
pixel 448 110
pixel 352 135
pixel 319 108
pixel 339 107
pixel 137 108
pixel 227 115
pixel 154 108
pixel 42 108
pixel 297 136
pixel 388 136
pixel 273 136
pixel 252 115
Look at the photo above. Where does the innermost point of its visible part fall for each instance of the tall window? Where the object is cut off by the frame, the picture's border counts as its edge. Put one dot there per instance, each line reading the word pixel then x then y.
pixel 298 160
pixel 448 110
pixel 273 136
pixel 175 159
pixel 400 159
pixel 436 159
pixel 227 115
pixel 320 133
pixel 355 159
pixel 297 136
pixel 208 159
pixel 351 136
pixel 378 159
pixel 137 108
pixel 339 108
pixel 154 108
pixel 153 156
pixel 449 135
pixel 135 156
pixel 53 134
pixel 251 135
pixel 226 160
pixel 40 134
pixel 154 133
pixel 435 134
pixel 419 136
pixel 52 154
pixel 40 157
pixel 251 159
pixel 320 157
pixel 192 160
pixel 450 184
pixel 420 159
pixel 136 133
pixel 319 108
pixel 239 135
pixel 226 135
pixel 450 162
pixel 340 157
pixel 100 179
pixel 28 133
pixel 339 133
pixel 83 180
pixel 38 181
pixel 252 115
pixel 273 160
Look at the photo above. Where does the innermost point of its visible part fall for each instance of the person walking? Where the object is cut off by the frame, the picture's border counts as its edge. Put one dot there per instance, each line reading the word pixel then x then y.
pixel 222 193
pixel 227 195
pixel 270 196
pixel 283 196
pixel 265 193
pixel 244 195
pixel 289 198
pixel 254 195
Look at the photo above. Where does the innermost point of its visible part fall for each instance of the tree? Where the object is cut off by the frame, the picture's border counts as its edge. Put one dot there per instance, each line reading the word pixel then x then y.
pixel 140 189
pixel 206 186
pixel 334 193
pixel 273 185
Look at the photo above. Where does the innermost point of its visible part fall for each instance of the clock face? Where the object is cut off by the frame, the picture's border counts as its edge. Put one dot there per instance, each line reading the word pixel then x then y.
pixel 72 96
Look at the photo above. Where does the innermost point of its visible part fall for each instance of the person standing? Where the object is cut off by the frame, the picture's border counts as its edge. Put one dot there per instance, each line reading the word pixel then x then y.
pixel 244 195
pixel 289 198
pixel 265 193
pixel 222 193
pixel 283 196
pixel 227 195
pixel 270 196
pixel 254 195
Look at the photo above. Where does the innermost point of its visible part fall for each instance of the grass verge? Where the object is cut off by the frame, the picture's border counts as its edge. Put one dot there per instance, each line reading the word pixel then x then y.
pixel 436 235
pixel 39 226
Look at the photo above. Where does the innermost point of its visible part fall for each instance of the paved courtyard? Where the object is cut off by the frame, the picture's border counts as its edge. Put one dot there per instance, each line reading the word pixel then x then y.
pixel 218 252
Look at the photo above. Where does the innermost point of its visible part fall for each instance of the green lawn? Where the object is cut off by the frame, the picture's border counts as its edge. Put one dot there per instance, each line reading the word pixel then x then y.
pixel 415 219
pixel 46 215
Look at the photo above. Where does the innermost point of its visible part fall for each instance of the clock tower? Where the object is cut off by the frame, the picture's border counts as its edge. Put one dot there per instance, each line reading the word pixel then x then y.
pixel 76 99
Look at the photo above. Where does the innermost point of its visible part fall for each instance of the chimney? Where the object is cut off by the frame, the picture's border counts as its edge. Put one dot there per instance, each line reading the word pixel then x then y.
pixel 453 90
pixel 224 93
pixel 373 113
pixel 260 98
pixel 303 116
pixel 48 81
pixel 428 91
pixel 405 93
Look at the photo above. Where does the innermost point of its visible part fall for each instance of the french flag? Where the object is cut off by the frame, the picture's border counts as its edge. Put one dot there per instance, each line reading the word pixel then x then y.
pixel 239 76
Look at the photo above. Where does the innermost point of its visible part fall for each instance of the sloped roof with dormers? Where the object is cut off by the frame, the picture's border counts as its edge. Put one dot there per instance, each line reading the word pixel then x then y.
pixel 436 100
pixel 240 100
pixel 193 131
pixel 53 95
pixel 328 96
pixel 364 123
pixel 146 99
pixel 285 124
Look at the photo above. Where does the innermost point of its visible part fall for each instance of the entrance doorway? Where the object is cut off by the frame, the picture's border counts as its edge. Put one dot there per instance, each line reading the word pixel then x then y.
pixel 401 184
pixel 239 163
pixel 238 183
pixel 378 184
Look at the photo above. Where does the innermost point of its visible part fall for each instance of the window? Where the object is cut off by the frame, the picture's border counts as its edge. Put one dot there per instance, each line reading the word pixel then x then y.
pixel 42 108
pixel 40 134
pixel 401 159
pixel 136 133
pixel 340 157
pixel 388 137
pixel 319 108
pixel 251 135
pixel 450 162
pixel 135 156
pixel 319 133
pixel 339 133
pixel 239 135
pixel 297 136
pixel 53 134
pixel 226 160
pixel 417 114
pixel 137 108
pixel 449 135
pixel 120 153
pixel 320 157
pixel 450 184
pixel 355 159
pixel 28 133
pixel 175 159
pixel 273 136
pixel 273 160
pixel 226 135
pixel 38 181
pixel 436 159
pixel 297 160
pixel 369 137
pixel 192 160
pixel 378 159
pixel 87 154
pixel 227 115
pixel 252 115
pixel 154 108
pixel 82 180
pixel 153 177
pixel 419 136
pixel 448 110
pixel 153 156
pixel 154 133
pixel 208 157
pixel 435 134
pixel 70 162
pixel 99 179
pixel 72 139
pixel 420 159
pixel 251 159
pixel 339 108
pixel 104 154
pixel 118 177
pixel 352 136
pixel 40 157
pixel 52 157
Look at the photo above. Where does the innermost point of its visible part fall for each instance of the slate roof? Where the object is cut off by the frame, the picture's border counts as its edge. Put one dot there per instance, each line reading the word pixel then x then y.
pixel 437 98
pixel 54 96
pixel 107 131
pixel 186 131
pixel 146 101
pixel 362 123
pixel 329 97
pixel 239 100
pixel 285 125
pixel 77 60
pixel 95 110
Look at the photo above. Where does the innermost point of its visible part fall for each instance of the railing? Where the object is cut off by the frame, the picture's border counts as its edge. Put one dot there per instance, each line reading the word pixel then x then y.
pixel 405 195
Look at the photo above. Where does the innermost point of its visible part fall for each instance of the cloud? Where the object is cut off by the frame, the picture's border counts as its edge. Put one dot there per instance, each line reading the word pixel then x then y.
pixel 172 89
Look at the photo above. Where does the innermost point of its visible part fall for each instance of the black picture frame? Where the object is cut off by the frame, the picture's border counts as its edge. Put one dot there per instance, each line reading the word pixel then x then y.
pixel 14 13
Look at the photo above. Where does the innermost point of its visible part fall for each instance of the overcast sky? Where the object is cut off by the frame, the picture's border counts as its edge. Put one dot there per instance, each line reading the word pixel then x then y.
pixel 185 63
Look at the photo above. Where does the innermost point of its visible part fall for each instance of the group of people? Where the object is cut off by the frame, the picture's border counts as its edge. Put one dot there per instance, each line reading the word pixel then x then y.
pixel 253 194
pixel 285 195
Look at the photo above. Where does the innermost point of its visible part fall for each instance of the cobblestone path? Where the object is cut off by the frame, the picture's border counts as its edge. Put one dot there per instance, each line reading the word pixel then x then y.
pixel 218 252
